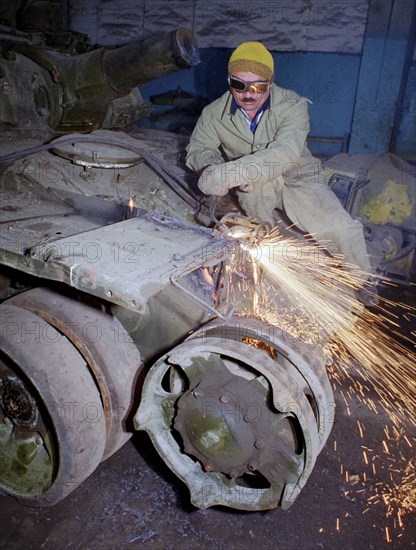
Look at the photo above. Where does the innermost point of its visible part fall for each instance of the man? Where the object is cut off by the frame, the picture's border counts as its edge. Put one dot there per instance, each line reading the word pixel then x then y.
pixel 254 138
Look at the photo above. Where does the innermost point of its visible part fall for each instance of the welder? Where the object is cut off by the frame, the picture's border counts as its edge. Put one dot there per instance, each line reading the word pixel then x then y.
pixel 253 138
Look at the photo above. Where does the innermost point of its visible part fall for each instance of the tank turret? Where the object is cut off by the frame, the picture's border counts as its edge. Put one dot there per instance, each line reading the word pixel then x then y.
pixel 46 89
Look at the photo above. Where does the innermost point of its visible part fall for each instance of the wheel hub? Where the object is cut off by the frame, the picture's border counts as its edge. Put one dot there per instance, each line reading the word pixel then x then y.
pixel 18 405
pixel 210 421
pixel 226 423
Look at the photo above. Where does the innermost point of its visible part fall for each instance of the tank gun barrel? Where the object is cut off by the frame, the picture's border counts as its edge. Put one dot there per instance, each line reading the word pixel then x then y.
pixel 149 59
pixel 91 81
pixel 53 90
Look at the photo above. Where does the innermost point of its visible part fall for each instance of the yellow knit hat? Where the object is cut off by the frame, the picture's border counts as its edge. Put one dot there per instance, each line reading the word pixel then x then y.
pixel 252 57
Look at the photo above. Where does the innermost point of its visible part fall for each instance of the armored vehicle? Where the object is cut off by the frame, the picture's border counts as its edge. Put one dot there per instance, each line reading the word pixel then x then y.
pixel 105 271
pixel 110 316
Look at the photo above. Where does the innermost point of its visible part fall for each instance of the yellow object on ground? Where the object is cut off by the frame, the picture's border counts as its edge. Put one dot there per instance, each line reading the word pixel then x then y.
pixel 393 204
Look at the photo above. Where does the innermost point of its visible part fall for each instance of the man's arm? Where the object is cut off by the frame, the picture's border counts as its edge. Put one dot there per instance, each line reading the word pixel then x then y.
pixel 278 156
pixel 204 145
pixel 283 154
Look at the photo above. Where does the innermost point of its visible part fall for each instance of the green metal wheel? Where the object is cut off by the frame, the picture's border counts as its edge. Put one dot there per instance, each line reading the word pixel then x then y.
pixel 111 355
pixel 52 426
pixel 239 412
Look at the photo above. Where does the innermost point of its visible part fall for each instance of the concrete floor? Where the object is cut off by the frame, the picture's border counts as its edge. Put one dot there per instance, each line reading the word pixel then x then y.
pixel 133 501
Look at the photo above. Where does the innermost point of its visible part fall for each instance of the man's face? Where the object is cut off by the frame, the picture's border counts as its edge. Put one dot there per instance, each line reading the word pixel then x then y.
pixel 249 101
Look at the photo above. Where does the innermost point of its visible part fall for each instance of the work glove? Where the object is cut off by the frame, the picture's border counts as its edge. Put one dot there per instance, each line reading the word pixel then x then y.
pixel 210 182
pixel 252 176
pixel 218 179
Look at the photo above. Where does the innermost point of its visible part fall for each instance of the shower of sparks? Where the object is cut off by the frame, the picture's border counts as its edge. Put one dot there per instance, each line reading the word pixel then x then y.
pixel 295 285
pixel 399 495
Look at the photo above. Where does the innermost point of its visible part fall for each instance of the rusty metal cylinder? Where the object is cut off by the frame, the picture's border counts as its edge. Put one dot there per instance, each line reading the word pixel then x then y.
pixel 93 80
pixel 135 64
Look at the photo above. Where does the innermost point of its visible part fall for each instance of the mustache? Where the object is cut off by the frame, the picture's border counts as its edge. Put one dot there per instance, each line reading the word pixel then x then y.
pixel 247 100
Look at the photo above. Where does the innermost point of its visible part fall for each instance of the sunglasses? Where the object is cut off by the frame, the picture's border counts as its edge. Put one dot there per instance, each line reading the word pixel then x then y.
pixel 257 87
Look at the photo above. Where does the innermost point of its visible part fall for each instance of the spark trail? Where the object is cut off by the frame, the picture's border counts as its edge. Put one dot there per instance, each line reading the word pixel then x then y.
pixel 297 286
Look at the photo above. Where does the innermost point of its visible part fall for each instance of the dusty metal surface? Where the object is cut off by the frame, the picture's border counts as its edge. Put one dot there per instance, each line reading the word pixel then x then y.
pixel 125 263
pixel 62 90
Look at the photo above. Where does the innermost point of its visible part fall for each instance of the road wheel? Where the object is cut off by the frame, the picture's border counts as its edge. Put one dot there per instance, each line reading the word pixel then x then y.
pixel 52 426
pixel 239 411
pixel 105 345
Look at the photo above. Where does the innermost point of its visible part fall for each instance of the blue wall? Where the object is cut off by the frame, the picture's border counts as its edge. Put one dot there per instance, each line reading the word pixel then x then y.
pixel 329 80
pixel 405 134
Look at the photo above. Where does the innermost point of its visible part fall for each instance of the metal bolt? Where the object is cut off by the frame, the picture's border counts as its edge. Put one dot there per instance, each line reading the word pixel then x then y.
pixel 208 468
pixel 259 444
pixel 253 466
pixel 198 393
pixel 224 399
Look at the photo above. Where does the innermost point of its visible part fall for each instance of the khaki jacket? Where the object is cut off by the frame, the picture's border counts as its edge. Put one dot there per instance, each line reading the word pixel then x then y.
pixel 284 173
pixel 277 147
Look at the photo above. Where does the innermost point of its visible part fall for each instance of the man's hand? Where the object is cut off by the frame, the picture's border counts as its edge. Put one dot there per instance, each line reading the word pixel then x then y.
pixel 212 181
pixel 218 179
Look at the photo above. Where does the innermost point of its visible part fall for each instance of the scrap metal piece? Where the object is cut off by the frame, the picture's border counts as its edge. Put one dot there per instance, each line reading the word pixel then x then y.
pixel 199 301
